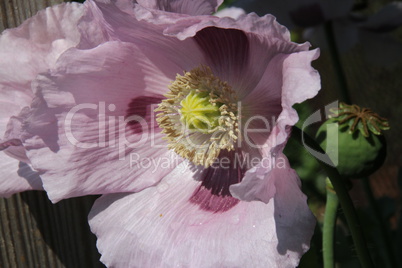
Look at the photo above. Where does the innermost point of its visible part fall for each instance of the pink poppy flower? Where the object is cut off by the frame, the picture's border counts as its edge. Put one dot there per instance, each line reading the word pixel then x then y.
pixel 201 181
pixel 33 48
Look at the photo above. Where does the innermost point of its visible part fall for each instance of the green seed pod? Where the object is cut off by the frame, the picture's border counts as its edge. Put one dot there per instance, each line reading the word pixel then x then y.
pixel 361 146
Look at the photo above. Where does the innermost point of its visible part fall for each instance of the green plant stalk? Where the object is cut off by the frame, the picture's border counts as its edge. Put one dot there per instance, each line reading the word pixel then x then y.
pixel 336 60
pixel 344 94
pixel 331 209
pixel 344 199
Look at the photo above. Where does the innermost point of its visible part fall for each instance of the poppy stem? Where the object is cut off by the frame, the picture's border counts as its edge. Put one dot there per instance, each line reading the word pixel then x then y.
pixel 336 61
pixel 331 209
pixel 344 199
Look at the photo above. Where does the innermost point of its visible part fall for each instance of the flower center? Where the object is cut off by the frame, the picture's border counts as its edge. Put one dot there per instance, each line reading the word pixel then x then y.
pixel 199 116
pixel 199 112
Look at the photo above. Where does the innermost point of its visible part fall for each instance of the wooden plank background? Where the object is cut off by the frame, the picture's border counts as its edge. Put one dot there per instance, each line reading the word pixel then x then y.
pixel 33 231
pixel 36 233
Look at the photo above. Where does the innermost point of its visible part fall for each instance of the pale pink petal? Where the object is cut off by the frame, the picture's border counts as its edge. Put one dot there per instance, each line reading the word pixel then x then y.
pixel 35 46
pixel 126 6
pixel 298 81
pixel 92 126
pixel 259 182
pixel 26 51
pixel 30 49
pixel 133 28
pixel 161 227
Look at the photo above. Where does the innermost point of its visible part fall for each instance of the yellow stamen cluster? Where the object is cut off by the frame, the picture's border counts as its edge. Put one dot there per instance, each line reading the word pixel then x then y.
pixel 199 116
pixel 199 113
